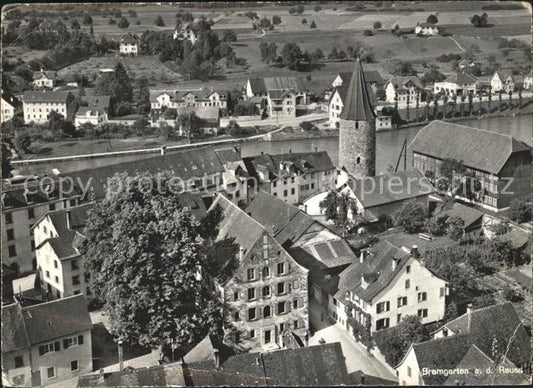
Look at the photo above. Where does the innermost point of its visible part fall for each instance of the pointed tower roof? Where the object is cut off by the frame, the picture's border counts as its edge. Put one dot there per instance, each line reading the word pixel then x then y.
pixel 357 106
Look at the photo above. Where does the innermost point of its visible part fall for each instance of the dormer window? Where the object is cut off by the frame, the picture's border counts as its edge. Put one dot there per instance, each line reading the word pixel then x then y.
pixel 364 284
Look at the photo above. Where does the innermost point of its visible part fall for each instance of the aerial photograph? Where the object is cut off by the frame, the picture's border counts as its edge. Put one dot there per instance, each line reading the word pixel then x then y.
pixel 291 193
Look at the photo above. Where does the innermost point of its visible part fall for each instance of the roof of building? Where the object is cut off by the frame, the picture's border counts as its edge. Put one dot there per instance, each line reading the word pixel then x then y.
pixel 284 83
pixel 184 164
pixel 403 83
pixel 388 188
pixel 16 196
pixel 50 74
pixel 50 96
pixel 67 223
pixel 426 25
pixel 207 113
pixel 27 326
pixel 376 269
pixel 505 73
pixel 498 323
pixel 229 155
pixel 178 95
pixel 322 365
pixel 371 76
pixel 468 214
pixel 84 111
pixel 204 352
pixel 129 39
pixel 357 106
pixel 97 101
pixel 482 370
pixel 461 79
pixel 257 85
pixel 477 148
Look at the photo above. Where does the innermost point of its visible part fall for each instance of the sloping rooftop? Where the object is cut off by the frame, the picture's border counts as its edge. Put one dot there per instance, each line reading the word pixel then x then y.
pixel 468 214
pixel 477 148
pixel 204 352
pixel 44 74
pixel 387 188
pixel 377 264
pixel 404 83
pixel 371 76
pixel 129 39
pixel 357 105
pixel 13 195
pixel 97 101
pixel 461 79
pixel 498 323
pixel 52 96
pixel 14 336
pixel 258 85
pixel 284 83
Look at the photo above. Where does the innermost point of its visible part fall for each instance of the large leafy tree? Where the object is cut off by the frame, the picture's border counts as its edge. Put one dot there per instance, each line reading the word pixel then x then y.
pixel 117 85
pixel 411 216
pixel 143 251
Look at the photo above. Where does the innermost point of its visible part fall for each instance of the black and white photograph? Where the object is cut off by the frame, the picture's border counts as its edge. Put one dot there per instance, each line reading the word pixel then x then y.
pixel 290 193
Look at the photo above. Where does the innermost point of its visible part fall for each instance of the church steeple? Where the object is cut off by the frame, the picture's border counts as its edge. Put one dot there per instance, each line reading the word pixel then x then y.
pixel 357 106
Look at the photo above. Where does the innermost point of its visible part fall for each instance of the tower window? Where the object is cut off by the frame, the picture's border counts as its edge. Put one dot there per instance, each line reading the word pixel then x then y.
pixel 358 160
pixel 356 125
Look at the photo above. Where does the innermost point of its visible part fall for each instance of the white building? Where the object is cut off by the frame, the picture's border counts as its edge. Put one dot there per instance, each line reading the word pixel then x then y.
pixel 528 82
pixel 385 285
pixel 458 84
pixel 57 238
pixel 44 79
pixel 38 105
pixel 283 95
pixel 195 98
pixel 95 113
pixel 503 80
pixel 403 88
pixel 129 45
pixel 426 29
pixel 186 32
pixel 8 111
pixel 46 343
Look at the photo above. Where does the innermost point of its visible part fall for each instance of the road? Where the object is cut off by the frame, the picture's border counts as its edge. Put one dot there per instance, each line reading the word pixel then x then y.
pixel 288 121
pixel 357 357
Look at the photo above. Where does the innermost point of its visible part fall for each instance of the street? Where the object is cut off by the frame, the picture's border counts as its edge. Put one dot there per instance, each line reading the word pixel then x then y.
pixel 357 357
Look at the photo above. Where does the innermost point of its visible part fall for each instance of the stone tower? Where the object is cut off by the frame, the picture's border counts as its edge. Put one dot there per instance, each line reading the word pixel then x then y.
pixel 357 129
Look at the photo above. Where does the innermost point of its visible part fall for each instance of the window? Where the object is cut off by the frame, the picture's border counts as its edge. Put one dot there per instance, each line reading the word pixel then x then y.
pixel 295 324
pixel 31 214
pixel 408 269
pixel 442 292
pixel 55 264
pixel 423 313
pixel 10 234
pixel 295 304
pixel 274 183
pixel 74 265
pixel 52 207
pixel 9 218
pixel 422 296
pixel 235 295
pixel 268 336
pixel 251 314
pixel 266 292
pixel 409 371
pixel 74 366
pixel 251 274
pixel 382 323
pixel 47 274
pixel 49 348
pixel 402 301
pixel 292 191
pixel 56 279
pixel 295 284
pixel 398 318
pixel 72 341
pixel 251 293
pixel 51 372
pixel 284 193
pixel 383 306
pixel 252 333
pixel 281 288
pixel 32 245
pixel 265 247
pixel 12 251
pixel 407 283
pixel 237 316
pixel 281 327
pixel 267 312
pixel 19 362
pixel 281 269
pixel 266 272
pixel 281 308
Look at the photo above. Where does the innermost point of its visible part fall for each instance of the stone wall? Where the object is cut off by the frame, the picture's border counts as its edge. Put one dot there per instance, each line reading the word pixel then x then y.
pixel 357 147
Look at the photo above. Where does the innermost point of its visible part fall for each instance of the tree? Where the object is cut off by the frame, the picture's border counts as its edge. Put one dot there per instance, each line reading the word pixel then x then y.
pixel 410 216
pixel 333 54
pixel 437 224
pixel 396 30
pixel 112 21
pixel 432 19
pixel 6 162
pixel 159 21
pixel 141 124
pixel 432 76
pixel 132 13
pixel 368 32
pixel 479 21
pixel 268 52
pixel 191 123
pixel 23 142
pixel 276 20
pixel 312 25
pixel 229 36
pixel 455 227
pixel 395 341
pixel 117 85
pixel 234 128
pixel 377 25
pixel 317 8
pixel 519 211
pixel 142 240
pixel 304 21
pixel 291 55
pixel 75 25
pixel 87 20
pixel 404 68
pixel 123 23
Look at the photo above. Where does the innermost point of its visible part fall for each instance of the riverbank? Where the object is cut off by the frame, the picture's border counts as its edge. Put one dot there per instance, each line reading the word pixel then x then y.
pixel 299 134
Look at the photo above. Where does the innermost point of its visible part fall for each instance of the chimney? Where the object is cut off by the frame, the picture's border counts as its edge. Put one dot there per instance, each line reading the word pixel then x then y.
pixel 257 361
pixel 281 165
pixel 290 150
pixel 69 219
pixel 316 148
pixel 469 307
pixel 363 255
pixel 364 284
pixel 241 253
pixel 394 263
pixel 163 150
pixel 101 376
pixel 414 251
pixel 120 356
pixel 217 357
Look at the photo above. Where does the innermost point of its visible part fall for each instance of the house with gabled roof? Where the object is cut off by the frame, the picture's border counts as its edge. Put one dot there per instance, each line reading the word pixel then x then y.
pixel 46 343
pixel 7 110
pixel 44 79
pixel 490 338
pixel 386 284
pixel 129 45
pixel 504 80
pixel 263 287
pixel 292 177
pixel 426 29
pixel 37 105
pixel 282 94
pixel 457 84
pixel 403 89
pixel 499 164
pixel 95 112
pixel 188 32
pixel 372 78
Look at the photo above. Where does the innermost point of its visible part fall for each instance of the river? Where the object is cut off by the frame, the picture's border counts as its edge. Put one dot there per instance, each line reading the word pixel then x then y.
pixel 389 144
